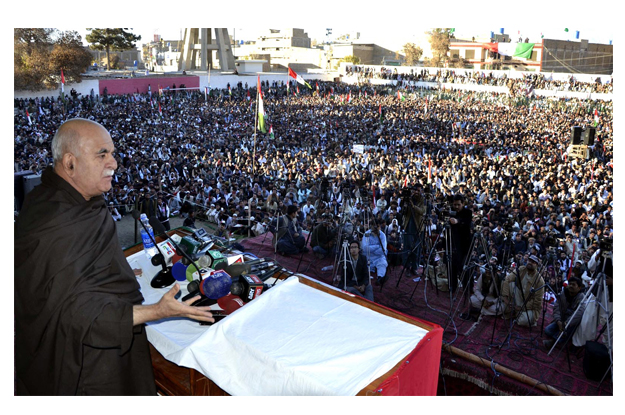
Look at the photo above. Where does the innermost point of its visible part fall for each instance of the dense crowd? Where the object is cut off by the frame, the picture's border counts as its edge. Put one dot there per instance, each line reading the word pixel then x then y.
pixel 530 80
pixel 200 155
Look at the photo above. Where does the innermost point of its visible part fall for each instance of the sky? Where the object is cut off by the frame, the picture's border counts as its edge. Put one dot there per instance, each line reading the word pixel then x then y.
pixel 392 38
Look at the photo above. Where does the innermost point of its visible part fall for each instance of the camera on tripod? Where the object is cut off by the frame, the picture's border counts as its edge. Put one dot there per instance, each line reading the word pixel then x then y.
pixel 606 245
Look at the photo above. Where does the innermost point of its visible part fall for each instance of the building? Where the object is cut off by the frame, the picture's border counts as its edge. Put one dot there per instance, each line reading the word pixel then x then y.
pixel 547 56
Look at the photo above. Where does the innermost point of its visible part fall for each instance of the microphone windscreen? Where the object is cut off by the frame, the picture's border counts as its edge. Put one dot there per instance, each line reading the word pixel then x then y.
pixel 156 224
pixel 236 270
pixel 216 285
pixel 179 271
pixel 230 303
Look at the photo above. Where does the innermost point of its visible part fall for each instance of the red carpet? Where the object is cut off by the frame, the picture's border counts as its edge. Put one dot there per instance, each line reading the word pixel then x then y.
pixel 521 351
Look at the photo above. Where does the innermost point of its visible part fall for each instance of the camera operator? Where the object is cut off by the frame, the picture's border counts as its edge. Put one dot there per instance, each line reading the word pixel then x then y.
pixel 323 238
pixel 460 226
pixel 413 209
pixel 356 277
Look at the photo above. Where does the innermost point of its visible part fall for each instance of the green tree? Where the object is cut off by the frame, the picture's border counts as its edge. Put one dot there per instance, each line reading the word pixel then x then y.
pixel 40 54
pixel 413 53
pixel 439 41
pixel 351 58
pixel 111 39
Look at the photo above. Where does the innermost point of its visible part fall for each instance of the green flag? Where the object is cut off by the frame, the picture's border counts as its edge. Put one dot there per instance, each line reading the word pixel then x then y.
pixel 524 50
pixel 261 110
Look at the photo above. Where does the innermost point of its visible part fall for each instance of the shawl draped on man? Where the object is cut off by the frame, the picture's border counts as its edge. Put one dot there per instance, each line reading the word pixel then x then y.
pixel 74 293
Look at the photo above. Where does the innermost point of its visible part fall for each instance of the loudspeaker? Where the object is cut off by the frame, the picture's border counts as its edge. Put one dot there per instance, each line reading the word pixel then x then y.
pixel 596 360
pixel 576 135
pixel 589 136
pixel 23 183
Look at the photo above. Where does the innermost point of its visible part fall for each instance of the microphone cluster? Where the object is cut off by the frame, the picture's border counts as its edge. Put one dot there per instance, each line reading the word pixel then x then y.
pixel 229 286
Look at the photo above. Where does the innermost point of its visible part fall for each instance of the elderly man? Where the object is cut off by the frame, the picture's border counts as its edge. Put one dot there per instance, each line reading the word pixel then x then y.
pixel 78 313
pixel 522 293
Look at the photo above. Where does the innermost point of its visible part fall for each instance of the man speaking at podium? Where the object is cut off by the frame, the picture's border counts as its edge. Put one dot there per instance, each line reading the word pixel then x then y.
pixel 78 313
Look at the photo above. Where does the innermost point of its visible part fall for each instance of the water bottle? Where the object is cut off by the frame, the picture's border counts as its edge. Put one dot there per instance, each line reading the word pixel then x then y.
pixel 148 245
pixel 328 268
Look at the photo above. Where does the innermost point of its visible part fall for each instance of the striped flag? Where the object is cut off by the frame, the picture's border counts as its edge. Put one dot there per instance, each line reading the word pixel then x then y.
pixel 28 116
pixel 400 96
pixel 261 110
pixel 596 117
pixel 62 81
pixel 160 111
pixel 298 78
pixel 271 132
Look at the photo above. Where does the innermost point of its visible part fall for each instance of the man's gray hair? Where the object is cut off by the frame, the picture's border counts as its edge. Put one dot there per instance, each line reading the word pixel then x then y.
pixel 64 141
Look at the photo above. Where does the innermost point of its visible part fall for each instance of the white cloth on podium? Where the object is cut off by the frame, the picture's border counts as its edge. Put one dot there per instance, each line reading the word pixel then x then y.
pixel 292 340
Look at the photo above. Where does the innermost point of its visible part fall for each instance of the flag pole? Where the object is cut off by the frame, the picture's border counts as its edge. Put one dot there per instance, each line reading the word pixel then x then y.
pixel 249 208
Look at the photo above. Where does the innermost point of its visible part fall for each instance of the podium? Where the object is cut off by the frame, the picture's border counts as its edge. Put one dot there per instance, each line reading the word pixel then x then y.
pixel 301 337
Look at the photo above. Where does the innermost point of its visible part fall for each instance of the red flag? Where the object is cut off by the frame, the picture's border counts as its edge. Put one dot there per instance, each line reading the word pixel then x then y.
pixel 429 170
pixel 62 81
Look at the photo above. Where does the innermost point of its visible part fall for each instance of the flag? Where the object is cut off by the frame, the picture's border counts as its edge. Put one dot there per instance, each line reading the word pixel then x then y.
pixel 230 90
pixel 62 81
pixel 381 116
pixel 298 78
pixel 160 111
pixel 297 87
pixel 373 192
pixel 271 132
pixel 261 110
pixel 429 170
pixel 349 96
pixel 28 116
pixel 400 96
pixel 248 95
pixel 596 117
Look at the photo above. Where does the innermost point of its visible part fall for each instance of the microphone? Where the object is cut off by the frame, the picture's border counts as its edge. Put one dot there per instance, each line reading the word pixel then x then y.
pixel 230 303
pixel 160 230
pixel 164 277
pixel 219 284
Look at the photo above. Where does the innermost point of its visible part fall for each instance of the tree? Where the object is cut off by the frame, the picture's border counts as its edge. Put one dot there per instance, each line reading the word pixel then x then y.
pixel 111 39
pixel 413 53
pixel 351 58
pixel 439 41
pixel 40 54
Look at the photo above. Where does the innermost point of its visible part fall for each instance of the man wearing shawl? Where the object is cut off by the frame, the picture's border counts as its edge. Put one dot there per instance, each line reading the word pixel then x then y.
pixel 79 322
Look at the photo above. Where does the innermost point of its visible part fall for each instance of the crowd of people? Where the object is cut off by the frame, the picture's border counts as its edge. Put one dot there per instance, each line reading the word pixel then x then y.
pixel 532 80
pixel 348 152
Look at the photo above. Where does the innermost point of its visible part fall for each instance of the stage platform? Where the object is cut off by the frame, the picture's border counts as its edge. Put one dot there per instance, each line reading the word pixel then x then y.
pixel 483 358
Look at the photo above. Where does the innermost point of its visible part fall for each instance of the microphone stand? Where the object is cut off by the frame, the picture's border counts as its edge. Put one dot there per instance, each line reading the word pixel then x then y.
pixel 164 277
pixel 193 286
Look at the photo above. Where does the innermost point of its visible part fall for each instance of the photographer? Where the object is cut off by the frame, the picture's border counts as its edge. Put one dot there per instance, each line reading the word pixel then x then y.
pixel 413 209
pixel 356 277
pixel 323 238
pixel 460 226
pixel 522 293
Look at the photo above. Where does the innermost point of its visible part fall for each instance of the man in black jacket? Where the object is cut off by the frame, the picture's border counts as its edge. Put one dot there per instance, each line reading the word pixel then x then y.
pixel 79 321
pixel 354 276
pixel 569 299
pixel 460 225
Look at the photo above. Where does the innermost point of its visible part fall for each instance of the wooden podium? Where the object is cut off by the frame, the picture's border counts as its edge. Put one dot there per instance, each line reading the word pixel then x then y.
pixel 415 374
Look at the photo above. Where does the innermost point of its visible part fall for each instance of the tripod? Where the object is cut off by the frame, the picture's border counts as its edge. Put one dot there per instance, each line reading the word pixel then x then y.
pixel 601 282
pixel 518 287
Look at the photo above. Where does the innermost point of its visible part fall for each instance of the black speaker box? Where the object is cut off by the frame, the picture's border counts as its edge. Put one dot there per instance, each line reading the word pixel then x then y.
pixel 589 136
pixel 576 135
pixel 596 360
